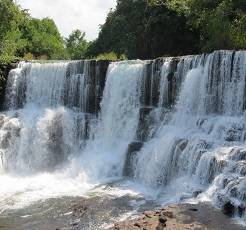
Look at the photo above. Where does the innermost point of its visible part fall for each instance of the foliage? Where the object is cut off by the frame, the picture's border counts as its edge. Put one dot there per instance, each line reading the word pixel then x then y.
pixel 77 45
pixel 142 29
pixel 21 35
pixel 238 33
pixel 111 56
pixel 134 29
pixel 152 28
pixel 221 23
pixel 224 25
pixel 11 18
pixel 42 38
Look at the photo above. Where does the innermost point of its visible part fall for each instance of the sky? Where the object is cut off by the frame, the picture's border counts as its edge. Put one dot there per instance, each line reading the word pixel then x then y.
pixel 69 15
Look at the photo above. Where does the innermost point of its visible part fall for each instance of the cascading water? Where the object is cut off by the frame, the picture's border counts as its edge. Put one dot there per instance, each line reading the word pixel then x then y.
pixel 175 124
pixel 203 141
pixel 105 152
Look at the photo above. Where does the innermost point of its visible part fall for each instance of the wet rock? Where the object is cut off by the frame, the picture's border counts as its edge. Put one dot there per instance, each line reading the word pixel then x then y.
pixel 193 209
pixel 160 226
pixel 55 143
pixel 137 225
pixel 228 209
pixel 196 193
pixel 151 83
pixel 5 140
pixel 225 182
pixel 162 218
pixel 241 210
pixel 233 134
pixel 4 72
pixel 132 150
pixel 182 145
pixel 148 214
pixel 238 154
pixel 83 124
pixel 178 147
pixel 2 120
pixel 240 168
pixel 173 84
pixel 144 123
pixel 92 77
pixel 144 111
pixel 215 167
pixel 134 147
pixel 200 122
pixel 168 214
pixel 177 217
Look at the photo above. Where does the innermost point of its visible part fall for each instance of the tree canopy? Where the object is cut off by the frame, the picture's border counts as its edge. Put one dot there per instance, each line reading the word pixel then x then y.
pixel 152 28
pixel 77 45
pixel 142 29
pixel 134 29
pixel 32 38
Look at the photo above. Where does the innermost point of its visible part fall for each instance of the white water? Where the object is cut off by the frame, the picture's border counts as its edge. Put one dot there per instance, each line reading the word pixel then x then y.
pixel 202 146
pixel 52 145
pixel 104 155
pixel 45 147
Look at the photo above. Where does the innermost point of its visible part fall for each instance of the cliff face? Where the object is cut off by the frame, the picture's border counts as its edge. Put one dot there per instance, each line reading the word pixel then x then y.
pixel 4 72
pixel 97 70
pixel 82 87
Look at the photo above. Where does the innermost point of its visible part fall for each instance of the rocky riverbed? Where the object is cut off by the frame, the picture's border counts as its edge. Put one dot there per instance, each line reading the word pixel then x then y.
pixel 95 211
pixel 179 217
pixel 114 213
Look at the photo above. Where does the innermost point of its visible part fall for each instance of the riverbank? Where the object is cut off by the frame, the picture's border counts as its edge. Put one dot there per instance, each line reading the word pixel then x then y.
pixel 100 210
pixel 179 217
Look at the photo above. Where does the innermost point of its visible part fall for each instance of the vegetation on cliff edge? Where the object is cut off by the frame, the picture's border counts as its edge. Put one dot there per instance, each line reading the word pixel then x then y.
pixel 134 29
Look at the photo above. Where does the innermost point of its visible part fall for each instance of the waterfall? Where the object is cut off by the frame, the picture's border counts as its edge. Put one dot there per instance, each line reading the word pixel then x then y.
pixel 203 141
pixel 105 152
pixel 175 124
pixel 50 108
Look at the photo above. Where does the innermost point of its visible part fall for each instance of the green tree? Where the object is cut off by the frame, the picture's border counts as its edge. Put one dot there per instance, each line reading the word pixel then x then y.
pixel 220 23
pixel 77 45
pixel 20 34
pixel 11 18
pixel 42 39
pixel 145 29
